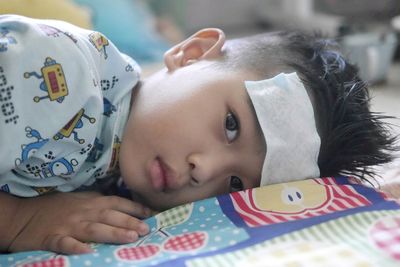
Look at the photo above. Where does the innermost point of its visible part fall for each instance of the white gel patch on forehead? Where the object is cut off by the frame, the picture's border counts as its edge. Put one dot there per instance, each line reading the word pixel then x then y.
pixel 285 114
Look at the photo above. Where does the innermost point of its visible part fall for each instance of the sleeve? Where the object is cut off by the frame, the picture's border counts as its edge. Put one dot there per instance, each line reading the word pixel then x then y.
pixel 47 84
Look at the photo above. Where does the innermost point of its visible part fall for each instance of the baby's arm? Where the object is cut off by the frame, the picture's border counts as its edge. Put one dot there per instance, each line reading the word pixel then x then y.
pixel 62 222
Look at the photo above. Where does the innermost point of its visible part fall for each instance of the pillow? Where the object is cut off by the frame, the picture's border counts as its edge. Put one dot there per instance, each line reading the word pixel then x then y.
pixel 48 9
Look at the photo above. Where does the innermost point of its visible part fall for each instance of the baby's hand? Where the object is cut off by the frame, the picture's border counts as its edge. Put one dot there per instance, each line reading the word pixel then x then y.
pixel 62 222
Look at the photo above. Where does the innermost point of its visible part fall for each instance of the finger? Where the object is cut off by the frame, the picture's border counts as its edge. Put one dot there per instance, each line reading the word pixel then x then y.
pixel 103 233
pixel 121 220
pixel 125 205
pixel 65 245
pixel 87 194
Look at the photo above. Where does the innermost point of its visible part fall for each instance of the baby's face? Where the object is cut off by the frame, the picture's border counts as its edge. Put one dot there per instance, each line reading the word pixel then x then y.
pixel 189 132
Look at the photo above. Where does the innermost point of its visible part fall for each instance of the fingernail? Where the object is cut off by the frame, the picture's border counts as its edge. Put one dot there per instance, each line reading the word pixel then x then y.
pixel 143 228
pixel 132 235
pixel 87 249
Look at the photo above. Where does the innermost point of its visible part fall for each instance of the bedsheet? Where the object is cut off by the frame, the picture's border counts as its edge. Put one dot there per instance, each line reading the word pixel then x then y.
pixel 331 221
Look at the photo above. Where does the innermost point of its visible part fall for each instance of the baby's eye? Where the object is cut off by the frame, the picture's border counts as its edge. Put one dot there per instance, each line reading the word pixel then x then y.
pixel 231 127
pixel 235 184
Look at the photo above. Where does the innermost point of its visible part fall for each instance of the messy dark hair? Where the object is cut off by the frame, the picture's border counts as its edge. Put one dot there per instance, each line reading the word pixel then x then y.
pixel 354 140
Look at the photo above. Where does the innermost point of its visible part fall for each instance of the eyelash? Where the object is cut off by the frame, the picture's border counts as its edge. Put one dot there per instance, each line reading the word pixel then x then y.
pixel 231 125
pixel 235 184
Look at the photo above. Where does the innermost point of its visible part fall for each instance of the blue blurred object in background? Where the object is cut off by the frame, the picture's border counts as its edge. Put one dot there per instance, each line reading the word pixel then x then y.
pixel 129 24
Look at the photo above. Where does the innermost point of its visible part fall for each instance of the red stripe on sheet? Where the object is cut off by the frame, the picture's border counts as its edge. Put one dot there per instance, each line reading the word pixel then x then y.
pixel 338 198
pixel 249 216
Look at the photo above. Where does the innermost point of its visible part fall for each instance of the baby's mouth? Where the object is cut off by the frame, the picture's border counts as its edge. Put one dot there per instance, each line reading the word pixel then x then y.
pixel 161 175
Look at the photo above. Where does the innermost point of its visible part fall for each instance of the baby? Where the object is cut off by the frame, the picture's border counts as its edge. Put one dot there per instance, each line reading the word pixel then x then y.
pixel 222 116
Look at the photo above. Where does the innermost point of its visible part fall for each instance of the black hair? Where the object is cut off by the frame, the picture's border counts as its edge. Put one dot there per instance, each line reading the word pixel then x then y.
pixel 354 140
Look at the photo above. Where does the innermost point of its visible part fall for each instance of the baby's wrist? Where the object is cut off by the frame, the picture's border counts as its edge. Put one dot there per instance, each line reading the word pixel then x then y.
pixel 10 223
pixel 17 222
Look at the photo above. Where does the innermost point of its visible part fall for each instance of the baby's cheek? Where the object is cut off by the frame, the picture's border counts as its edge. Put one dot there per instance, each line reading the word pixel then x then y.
pixel 392 190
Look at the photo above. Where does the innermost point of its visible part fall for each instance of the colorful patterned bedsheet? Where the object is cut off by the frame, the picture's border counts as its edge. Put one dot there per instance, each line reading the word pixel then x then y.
pixel 331 221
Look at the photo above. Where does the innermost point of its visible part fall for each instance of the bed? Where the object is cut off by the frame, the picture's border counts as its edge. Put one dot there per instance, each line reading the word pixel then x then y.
pixel 331 221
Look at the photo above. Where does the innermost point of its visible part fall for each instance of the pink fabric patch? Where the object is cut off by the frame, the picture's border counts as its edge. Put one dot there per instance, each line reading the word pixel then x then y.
pixel 385 234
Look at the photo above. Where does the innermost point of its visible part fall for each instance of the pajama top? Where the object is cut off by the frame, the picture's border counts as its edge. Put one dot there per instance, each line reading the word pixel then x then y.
pixel 64 101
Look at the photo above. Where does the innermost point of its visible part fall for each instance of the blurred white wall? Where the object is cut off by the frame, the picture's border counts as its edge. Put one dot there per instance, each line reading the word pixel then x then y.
pixel 229 14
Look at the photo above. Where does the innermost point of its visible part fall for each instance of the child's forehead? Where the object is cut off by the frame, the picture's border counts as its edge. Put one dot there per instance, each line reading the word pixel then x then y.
pixel 202 76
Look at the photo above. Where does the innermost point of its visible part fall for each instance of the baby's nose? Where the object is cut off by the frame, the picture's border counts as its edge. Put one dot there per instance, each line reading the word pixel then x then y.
pixel 203 168
pixel 193 180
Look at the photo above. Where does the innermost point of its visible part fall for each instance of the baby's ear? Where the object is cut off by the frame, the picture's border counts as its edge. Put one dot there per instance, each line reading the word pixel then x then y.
pixel 205 44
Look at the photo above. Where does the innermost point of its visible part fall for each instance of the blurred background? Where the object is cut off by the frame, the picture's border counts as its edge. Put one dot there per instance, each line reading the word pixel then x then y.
pixel 369 30
pixel 144 29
